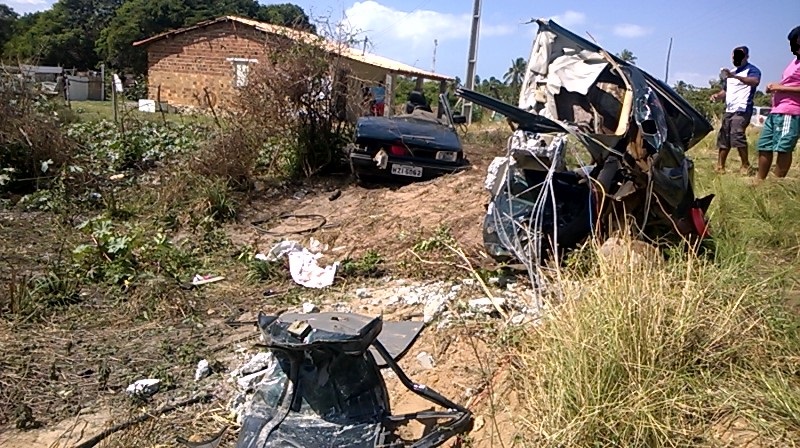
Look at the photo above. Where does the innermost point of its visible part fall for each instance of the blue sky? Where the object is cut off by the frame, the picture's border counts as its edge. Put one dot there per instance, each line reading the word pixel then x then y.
pixel 704 31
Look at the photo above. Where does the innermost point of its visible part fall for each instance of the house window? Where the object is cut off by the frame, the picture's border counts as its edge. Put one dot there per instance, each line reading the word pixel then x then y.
pixel 241 69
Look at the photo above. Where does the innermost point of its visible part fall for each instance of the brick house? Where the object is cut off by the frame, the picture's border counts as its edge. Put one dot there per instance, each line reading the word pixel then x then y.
pixel 203 64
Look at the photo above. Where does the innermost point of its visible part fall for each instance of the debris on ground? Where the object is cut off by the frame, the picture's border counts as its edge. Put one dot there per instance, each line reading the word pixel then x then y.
pixel 303 263
pixel 426 360
pixel 144 388
pixel 203 370
pixel 205 279
pixel 309 308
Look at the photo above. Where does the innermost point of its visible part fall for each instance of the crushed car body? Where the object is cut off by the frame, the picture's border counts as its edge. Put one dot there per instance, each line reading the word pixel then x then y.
pixel 324 388
pixel 414 146
pixel 598 145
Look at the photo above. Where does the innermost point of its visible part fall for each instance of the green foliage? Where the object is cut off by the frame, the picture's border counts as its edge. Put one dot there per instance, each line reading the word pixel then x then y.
pixel 627 56
pixel 8 17
pixel 118 254
pixel 106 149
pixel 83 33
pixel 369 265
pixel 440 239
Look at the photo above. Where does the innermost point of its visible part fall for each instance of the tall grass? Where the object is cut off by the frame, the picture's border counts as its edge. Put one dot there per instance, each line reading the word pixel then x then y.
pixel 669 354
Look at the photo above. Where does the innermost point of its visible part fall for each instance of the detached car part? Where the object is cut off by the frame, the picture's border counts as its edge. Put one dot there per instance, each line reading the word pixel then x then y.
pixel 414 146
pixel 325 388
pixel 635 130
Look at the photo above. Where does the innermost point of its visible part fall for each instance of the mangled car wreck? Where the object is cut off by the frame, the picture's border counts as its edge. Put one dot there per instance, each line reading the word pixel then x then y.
pixel 416 145
pixel 598 145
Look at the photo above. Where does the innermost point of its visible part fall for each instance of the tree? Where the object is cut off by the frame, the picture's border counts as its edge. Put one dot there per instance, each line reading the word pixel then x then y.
pixel 516 73
pixel 8 19
pixel 627 56
pixel 63 35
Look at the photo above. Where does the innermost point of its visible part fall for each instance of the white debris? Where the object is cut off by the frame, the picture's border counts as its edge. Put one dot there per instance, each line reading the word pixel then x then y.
pixel 303 264
pixel 485 304
pixel 468 282
pixel 259 362
pixel 363 293
pixel 144 388
pixel 433 306
pixel 494 280
pixel 425 360
pixel 203 370
pixel 247 382
pixel 309 308
pixel 518 319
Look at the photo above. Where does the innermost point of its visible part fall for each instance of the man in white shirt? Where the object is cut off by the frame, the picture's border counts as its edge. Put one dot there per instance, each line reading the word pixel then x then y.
pixel 738 89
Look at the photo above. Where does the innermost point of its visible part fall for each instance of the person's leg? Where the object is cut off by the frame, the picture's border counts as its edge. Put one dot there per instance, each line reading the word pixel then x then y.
pixel 766 145
pixel 724 142
pixel 783 164
pixel 790 133
pixel 739 123
pixel 764 163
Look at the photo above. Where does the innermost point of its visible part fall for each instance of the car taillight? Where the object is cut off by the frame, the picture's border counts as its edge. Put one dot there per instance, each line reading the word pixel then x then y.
pixel 397 150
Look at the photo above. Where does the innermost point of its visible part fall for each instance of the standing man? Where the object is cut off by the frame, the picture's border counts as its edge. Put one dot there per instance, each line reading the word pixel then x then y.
pixel 738 89
pixel 782 127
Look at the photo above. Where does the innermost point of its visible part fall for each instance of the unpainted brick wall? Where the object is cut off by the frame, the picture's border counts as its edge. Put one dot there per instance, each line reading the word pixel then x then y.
pixel 184 64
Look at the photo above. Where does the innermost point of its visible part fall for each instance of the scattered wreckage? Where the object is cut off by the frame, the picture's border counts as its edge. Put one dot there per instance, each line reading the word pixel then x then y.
pixel 635 130
pixel 413 146
pixel 321 386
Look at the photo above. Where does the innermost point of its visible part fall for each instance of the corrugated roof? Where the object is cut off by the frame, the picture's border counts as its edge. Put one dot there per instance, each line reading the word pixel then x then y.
pixel 342 50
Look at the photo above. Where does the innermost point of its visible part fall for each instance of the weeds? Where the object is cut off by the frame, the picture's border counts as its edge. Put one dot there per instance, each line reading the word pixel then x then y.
pixel 369 265
pixel 440 239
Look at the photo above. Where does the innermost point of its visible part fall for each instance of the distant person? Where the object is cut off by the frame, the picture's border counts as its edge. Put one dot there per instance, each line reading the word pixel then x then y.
pixel 738 89
pixel 379 99
pixel 782 126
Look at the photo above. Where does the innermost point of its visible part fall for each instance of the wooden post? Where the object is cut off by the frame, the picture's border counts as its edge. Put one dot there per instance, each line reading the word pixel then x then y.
pixel 420 81
pixel 389 100
pixel 442 89
pixel 114 100
pixel 158 103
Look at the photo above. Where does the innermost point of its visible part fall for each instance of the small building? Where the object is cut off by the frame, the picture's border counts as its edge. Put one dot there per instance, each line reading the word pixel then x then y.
pixel 203 65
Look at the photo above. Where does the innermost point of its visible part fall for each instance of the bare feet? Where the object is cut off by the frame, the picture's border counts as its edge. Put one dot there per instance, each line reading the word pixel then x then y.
pixel 719 169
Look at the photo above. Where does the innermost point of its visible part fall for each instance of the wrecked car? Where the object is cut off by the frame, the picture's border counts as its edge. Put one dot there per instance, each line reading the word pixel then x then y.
pixel 598 145
pixel 414 146
pixel 323 386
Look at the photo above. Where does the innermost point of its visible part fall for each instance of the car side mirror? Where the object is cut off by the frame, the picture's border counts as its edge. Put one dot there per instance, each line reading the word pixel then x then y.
pixel 459 119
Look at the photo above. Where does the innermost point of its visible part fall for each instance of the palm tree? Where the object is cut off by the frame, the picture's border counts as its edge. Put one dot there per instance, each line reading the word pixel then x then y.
pixel 516 73
pixel 627 56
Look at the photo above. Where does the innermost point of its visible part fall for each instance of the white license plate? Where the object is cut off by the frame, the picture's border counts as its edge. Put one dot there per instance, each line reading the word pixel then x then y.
pixel 447 156
pixel 407 170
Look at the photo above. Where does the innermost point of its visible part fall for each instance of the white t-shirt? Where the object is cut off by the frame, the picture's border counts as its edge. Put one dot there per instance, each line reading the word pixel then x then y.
pixel 738 95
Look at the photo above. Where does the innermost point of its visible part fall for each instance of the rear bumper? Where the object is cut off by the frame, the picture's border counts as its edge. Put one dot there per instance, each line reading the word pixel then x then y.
pixel 363 164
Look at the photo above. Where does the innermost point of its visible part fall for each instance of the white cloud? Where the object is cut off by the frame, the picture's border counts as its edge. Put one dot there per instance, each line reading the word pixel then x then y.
pixel 693 78
pixel 631 30
pixel 416 27
pixel 26 6
pixel 570 18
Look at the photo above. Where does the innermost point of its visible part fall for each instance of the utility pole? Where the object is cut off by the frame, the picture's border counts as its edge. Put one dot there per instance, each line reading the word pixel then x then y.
pixel 435 45
pixel 669 54
pixel 472 58
pixel 364 50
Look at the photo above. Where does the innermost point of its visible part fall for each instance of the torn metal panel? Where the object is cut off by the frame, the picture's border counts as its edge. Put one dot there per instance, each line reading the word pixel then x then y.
pixel 324 388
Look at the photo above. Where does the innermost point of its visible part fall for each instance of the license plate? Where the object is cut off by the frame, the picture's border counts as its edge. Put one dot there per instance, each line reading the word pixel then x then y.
pixel 447 156
pixel 407 170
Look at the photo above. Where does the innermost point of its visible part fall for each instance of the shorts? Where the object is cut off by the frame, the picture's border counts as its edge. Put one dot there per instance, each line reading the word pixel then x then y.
pixel 731 133
pixel 780 133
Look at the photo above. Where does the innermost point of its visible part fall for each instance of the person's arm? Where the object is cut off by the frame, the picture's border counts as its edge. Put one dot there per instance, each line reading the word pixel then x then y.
pixel 717 96
pixel 778 87
pixel 752 79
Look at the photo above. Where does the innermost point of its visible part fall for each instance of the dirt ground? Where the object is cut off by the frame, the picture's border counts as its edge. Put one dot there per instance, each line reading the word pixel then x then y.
pixel 64 378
